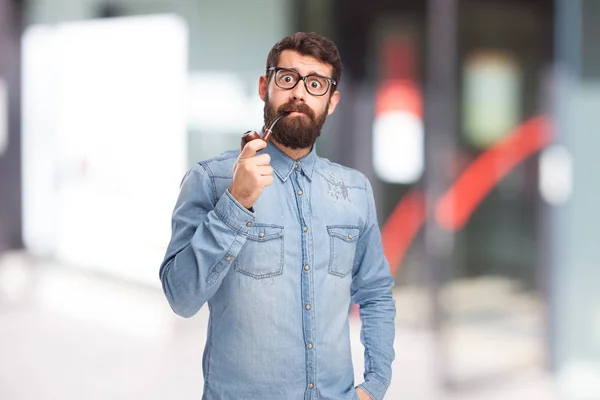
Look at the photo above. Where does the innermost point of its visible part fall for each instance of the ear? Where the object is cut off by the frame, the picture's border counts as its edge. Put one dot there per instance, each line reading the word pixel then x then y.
pixel 263 87
pixel 333 102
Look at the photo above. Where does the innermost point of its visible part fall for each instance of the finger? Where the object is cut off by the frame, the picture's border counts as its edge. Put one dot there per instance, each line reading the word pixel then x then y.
pixel 266 180
pixel 261 159
pixel 251 148
pixel 265 170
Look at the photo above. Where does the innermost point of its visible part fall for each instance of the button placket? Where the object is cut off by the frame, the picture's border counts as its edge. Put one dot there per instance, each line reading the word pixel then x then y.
pixel 307 301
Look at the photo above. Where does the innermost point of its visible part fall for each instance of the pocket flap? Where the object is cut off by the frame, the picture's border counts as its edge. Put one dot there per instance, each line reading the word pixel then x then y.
pixel 347 233
pixel 265 232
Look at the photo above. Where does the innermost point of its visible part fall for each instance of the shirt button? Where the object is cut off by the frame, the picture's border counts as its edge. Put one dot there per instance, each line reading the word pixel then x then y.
pixel 296 165
pixel 309 346
pixel 227 258
pixel 349 236
pixel 310 386
pixel 308 306
pixel 262 234
pixel 306 267
pixel 249 224
pixel 305 228
pixel 300 192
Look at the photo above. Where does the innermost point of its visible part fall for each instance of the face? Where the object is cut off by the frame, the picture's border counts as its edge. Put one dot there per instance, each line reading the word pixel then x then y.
pixel 303 125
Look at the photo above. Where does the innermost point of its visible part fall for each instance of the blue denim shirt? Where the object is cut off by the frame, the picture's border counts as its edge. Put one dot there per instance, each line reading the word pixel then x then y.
pixel 279 280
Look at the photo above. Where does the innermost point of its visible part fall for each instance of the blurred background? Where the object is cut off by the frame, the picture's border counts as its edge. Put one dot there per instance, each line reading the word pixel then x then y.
pixel 475 120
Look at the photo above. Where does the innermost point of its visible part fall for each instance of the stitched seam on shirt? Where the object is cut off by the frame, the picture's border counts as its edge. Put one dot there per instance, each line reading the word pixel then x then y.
pixel 368 362
pixel 212 181
pixel 336 165
pixel 306 215
pixel 376 377
pixel 215 199
pixel 312 315
pixel 380 379
pixel 209 351
pixel 236 229
pixel 368 205
pixel 233 228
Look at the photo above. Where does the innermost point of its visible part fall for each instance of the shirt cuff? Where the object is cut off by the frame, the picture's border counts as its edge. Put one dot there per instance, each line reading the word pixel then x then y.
pixel 374 387
pixel 235 215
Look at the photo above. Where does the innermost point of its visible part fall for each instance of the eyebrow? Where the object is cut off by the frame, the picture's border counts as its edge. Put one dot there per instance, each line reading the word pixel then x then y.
pixel 310 73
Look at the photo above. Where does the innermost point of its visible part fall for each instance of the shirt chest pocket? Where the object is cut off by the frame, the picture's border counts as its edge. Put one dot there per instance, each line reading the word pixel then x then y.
pixel 342 244
pixel 262 254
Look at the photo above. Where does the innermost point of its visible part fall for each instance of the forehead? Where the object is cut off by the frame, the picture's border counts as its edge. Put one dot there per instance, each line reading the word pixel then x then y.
pixel 303 64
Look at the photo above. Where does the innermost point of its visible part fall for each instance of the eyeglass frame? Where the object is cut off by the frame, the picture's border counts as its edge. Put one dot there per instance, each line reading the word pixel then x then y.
pixel 331 82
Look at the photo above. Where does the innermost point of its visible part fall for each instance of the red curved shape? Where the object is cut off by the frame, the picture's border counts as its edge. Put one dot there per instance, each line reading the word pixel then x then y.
pixel 402 226
pixel 453 210
pixel 455 207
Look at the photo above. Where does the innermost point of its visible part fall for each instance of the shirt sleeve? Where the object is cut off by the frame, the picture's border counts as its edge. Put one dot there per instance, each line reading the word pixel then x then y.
pixel 206 238
pixel 372 290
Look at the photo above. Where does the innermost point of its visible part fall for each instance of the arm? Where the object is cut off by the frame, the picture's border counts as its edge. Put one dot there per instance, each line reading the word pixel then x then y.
pixel 206 238
pixel 371 290
pixel 209 232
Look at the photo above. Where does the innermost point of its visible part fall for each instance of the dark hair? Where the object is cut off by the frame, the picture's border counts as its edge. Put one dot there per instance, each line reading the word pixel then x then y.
pixel 309 44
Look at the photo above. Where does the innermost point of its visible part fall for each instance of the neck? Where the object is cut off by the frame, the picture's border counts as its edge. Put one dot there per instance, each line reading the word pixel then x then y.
pixel 294 154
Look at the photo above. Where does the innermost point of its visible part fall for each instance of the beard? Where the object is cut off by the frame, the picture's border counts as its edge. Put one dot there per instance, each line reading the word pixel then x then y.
pixel 299 131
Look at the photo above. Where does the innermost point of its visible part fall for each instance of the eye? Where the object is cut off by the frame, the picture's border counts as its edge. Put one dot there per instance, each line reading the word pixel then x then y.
pixel 316 83
pixel 287 78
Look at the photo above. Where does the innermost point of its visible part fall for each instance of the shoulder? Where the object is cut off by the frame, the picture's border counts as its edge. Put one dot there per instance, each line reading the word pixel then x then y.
pixel 331 171
pixel 210 169
pixel 206 177
pixel 219 166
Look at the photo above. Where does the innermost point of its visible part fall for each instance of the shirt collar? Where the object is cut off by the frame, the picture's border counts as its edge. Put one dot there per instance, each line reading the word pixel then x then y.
pixel 283 165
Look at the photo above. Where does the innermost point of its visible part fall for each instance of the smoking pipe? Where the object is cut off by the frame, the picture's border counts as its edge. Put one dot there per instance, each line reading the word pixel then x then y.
pixel 253 135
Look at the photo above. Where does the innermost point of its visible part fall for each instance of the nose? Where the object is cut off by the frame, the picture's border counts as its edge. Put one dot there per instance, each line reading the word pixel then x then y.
pixel 298 93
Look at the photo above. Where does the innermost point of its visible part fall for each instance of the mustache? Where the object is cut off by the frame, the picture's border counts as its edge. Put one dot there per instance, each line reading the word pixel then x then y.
pixel 296 107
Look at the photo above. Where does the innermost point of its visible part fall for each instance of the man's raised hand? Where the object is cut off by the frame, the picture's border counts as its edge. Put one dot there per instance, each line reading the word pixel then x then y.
pixel 251 174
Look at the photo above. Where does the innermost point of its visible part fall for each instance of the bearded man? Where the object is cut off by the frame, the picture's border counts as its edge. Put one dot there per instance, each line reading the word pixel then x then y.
pixel 280 242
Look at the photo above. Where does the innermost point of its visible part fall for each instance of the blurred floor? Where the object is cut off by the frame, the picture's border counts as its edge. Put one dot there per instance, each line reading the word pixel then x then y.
pixel 71 334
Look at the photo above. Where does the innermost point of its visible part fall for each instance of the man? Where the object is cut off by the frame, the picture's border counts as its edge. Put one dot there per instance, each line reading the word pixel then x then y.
pixel 279 242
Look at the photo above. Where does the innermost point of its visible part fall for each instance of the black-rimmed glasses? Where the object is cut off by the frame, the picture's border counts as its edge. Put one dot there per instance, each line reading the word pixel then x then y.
pixel 287 79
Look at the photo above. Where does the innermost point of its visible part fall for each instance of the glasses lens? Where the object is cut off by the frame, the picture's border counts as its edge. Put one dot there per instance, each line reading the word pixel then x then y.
pixel 317 85
pixel 286 79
